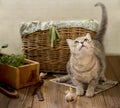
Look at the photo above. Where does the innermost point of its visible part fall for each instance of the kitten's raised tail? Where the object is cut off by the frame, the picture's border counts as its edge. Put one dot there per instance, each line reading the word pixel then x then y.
pixel 103 26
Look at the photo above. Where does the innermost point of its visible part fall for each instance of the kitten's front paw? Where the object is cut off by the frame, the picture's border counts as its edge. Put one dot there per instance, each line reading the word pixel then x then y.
pixel 79 91
pixel 89 93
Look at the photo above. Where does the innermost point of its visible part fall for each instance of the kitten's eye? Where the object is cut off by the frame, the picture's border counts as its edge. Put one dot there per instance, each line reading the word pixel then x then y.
pixel 76 42
pixel 86 40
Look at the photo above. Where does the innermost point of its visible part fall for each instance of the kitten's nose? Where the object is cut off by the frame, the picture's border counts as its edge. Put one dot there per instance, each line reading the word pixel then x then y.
pixel 82 42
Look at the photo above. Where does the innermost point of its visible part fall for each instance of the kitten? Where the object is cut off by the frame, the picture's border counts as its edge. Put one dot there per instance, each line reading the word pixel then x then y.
pixel 87 59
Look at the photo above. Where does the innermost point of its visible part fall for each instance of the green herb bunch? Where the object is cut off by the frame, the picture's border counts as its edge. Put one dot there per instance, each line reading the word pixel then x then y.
pixel 13 60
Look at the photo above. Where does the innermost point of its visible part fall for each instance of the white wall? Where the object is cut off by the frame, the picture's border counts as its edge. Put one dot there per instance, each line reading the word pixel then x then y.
pixel 13 12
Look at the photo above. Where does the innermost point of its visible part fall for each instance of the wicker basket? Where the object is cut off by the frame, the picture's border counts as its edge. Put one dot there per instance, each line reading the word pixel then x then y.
pixel 36 47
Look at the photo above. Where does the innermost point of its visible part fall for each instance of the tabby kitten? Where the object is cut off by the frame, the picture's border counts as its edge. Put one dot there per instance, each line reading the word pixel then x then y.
pixel 87 60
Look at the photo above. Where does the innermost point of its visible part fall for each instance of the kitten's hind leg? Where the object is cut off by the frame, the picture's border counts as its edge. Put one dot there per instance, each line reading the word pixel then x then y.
pixel 63 79
pixel 103 67
pixel 103 78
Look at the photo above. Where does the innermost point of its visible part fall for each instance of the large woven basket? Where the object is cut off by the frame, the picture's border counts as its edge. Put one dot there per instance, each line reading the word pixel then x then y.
pixel 37 47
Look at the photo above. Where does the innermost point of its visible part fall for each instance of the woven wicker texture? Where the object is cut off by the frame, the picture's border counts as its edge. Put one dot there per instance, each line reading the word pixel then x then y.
pixel 36 47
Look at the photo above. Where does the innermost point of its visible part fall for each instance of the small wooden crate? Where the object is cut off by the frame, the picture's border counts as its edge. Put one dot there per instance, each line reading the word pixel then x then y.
pixel 22 76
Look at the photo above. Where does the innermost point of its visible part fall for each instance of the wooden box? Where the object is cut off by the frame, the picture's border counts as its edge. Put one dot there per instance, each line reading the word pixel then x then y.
pixel 22 76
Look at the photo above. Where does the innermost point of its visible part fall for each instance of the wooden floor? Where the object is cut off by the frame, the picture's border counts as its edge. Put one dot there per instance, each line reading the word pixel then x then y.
pixel 54 94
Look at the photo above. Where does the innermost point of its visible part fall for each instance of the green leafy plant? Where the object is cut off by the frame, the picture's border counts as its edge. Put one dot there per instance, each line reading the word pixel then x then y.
pixel 13 60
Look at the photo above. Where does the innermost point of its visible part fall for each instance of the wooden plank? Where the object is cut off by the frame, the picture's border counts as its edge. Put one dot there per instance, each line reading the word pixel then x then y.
pixel 41 104
pixel 98 101
pixel 84 102
pixel 54 95
pixel 18 102
pixel 109 100
pixel 109 73
pixel 115 94
pixel 112 95
pixel 28 101
pixel 4 101
pixel 115 65
pixel 36 103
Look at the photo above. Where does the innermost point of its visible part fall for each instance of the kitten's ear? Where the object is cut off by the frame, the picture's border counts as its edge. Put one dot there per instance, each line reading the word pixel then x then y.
pixel 69 42
pixel 88 36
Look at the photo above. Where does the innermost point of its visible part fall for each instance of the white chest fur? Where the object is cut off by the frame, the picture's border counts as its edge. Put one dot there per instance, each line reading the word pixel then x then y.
pixel 85 71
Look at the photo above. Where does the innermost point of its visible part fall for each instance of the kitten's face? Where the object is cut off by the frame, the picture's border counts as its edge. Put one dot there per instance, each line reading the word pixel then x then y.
pixel 81 45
